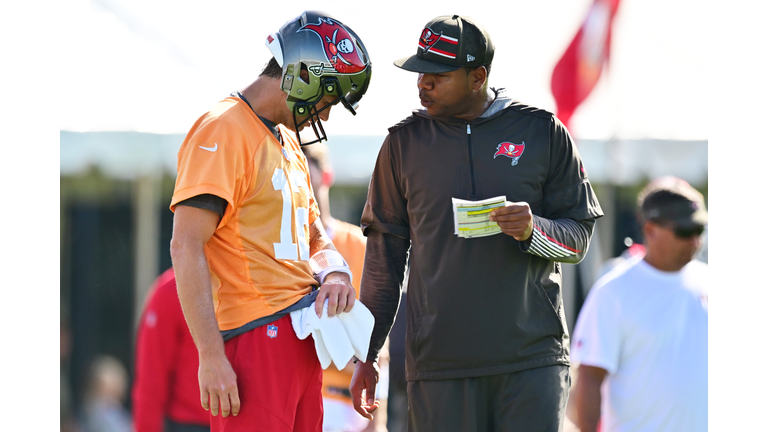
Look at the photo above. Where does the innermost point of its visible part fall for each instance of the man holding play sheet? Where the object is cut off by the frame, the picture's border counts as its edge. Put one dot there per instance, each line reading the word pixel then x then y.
pixel 487 344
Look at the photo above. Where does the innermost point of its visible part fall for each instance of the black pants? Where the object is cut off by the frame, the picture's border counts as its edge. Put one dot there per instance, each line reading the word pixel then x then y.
pixel 532 400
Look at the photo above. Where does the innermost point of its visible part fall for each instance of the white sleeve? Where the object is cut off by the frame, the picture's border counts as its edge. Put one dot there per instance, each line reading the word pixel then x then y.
pixel 597 336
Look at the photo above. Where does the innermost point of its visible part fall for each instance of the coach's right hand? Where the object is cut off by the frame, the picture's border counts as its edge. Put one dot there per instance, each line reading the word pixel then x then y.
pixel 365 377
pixel 218 385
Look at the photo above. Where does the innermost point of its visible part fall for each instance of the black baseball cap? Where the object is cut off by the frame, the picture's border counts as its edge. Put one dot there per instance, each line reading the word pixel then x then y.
pixel 674 201
pixel 448 43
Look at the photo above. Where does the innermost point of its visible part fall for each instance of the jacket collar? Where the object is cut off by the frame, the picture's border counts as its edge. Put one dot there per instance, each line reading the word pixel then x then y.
pixel 500 102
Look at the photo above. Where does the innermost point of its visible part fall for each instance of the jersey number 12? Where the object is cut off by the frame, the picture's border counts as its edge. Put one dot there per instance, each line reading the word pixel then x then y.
pixel 287 249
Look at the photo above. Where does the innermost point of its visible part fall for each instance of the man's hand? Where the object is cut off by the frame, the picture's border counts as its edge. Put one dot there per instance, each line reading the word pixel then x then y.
pixel 515 219
pixel 218 386
pixel 340 293
pixel 365 378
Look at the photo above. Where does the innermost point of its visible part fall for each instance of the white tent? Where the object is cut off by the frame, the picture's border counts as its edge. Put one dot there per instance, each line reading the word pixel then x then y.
pixel 154 67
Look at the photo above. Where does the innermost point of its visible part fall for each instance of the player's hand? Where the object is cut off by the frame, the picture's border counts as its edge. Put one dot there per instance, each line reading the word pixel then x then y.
pixel 515 219
pixel 218 385
pixel 340 293
pixel 363 388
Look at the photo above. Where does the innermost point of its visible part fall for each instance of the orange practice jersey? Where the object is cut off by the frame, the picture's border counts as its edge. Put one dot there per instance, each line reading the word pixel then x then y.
pixel 258 255
pixel 350 243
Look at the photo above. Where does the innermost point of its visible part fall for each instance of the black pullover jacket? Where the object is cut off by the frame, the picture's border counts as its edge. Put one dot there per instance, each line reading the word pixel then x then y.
pixel 477 306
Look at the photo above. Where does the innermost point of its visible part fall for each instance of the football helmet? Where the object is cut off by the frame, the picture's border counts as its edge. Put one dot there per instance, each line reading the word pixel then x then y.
pixel 334 58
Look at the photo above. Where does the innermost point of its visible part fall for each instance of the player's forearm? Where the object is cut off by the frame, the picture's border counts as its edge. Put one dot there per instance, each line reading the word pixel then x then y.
pixel 318 239
pixel 561 240
pixel 193 283
pixel 381 284
pixel 588 415
pixel 587 397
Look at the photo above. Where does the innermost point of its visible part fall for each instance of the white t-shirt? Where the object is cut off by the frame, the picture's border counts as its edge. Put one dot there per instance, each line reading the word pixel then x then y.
pixel 648 329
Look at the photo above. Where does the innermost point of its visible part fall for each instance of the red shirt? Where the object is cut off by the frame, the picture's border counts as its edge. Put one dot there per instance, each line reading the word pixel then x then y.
pixel 165 384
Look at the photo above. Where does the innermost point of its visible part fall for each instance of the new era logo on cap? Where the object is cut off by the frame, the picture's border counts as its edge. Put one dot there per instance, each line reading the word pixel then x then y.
pixel 470 58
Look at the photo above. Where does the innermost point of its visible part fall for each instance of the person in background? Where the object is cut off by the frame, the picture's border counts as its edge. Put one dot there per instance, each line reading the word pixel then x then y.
pixel 632 252
pixel 105 395
pixel 67 416
pixel 339 415
pixel 641 338
pixel 165 394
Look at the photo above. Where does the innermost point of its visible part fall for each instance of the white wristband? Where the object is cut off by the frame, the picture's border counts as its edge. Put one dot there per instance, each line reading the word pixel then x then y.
pixel 328 261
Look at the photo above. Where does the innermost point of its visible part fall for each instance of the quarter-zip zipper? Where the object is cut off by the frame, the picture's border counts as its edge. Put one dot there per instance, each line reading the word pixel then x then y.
pixel 473 194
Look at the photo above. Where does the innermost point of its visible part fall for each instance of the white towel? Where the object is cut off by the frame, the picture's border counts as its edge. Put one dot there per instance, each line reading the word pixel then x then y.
pixel 337 339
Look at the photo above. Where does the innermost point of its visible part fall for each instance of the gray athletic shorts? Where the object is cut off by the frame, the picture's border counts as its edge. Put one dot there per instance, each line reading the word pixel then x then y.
pixel 532 400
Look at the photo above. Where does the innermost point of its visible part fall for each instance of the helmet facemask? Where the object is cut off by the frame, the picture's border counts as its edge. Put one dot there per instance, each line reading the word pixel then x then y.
pixel 308 108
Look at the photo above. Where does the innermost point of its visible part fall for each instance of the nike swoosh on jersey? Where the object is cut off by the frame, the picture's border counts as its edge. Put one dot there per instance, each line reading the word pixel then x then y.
pixel 210 149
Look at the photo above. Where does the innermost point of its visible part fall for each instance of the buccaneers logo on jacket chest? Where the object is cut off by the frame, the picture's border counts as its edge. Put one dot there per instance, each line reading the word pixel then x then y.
pixel 510 150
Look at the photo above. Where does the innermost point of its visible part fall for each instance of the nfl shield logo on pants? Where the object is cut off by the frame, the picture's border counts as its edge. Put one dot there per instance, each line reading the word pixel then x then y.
pixel 272 331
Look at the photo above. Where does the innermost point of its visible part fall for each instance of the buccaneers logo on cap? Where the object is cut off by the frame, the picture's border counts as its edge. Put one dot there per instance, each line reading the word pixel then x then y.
pixel 339 47
pixel 428 40
pixel 510 150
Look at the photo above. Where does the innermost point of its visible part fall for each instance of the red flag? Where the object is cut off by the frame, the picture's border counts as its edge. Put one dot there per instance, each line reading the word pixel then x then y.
pixel 577 72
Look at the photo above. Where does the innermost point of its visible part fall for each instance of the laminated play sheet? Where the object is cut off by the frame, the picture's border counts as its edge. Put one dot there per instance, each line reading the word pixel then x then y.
pixel 470 218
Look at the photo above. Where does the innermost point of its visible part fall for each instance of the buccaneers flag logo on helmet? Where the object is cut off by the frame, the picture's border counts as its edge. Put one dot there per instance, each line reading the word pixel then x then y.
pixel 510 150
pixel 338 44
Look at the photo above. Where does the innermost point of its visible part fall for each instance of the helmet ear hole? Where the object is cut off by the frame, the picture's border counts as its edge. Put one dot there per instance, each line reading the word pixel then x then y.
pixel 304 73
